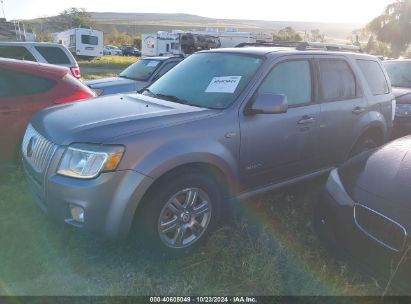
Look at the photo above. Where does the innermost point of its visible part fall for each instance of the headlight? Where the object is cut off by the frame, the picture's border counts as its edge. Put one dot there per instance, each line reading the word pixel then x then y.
pixel 88 161
pixel 403 110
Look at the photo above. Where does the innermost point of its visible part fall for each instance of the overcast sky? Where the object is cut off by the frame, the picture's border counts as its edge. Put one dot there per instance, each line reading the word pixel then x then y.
pixel 347 11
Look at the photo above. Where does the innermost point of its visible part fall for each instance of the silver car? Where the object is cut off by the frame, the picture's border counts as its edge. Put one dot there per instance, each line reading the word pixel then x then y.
pixel 135 77
pixel 221 126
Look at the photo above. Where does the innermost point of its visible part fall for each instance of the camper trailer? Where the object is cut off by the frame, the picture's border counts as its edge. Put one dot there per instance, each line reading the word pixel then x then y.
pixel 231 37
pixel 81 42
pixel 160 44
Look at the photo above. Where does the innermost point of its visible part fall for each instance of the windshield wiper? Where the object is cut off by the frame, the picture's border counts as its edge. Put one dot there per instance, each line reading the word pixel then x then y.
pixel 165 96
pixel 152 94
pixel 172 98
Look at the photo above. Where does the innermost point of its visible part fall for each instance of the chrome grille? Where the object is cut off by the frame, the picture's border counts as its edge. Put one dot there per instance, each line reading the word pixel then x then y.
pixel 36 149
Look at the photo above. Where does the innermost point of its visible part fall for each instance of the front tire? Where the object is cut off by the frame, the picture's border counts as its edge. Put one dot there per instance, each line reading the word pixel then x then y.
pixel 180 213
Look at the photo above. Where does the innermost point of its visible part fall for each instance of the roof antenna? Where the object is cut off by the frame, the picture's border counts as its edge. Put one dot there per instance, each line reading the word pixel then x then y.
pixel 2 6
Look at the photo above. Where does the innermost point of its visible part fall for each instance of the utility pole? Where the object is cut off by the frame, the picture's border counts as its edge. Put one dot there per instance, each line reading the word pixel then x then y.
pixel 2 7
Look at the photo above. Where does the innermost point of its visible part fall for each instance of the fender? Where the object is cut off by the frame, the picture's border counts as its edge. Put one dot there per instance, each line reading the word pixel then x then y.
pixel 149 169
pixel 177 153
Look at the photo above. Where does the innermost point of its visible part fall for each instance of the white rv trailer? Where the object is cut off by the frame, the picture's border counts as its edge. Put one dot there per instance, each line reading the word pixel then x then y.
pixel 160 44
pixel 81 42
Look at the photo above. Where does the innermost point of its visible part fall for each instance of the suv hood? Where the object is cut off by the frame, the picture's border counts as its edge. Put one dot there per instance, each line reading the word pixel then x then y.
pixel 399 93
pixel 102 119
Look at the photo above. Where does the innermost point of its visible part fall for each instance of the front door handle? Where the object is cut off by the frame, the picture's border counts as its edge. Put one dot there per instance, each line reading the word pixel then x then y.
pixel 358 110
pixel 305 120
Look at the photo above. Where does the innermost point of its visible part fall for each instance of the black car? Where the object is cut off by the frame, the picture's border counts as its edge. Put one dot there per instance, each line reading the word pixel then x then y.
pixel 365 209
pixel 399 72
pixel 129 50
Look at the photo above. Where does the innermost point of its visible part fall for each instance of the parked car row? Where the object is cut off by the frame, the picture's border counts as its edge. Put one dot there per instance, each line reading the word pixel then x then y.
pixel 129 50
pixel 222 124
pixel 217 127
pixel 125 50
pixel 112 50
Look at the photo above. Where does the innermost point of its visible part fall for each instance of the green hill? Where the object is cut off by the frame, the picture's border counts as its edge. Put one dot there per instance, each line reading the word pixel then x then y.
pixel 137 23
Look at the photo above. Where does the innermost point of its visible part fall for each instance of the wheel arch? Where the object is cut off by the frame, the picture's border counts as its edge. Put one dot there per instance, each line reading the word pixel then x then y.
pixel 374 131
pixel 210 169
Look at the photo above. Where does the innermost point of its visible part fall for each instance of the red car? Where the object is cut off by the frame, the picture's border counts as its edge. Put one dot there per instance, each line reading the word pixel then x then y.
pixel 26 87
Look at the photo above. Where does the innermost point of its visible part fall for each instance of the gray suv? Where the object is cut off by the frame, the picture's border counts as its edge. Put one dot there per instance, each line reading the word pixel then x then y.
pixel 223 124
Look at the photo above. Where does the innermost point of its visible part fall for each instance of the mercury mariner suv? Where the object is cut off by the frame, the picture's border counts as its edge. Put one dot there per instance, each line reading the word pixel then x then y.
pixel 221 126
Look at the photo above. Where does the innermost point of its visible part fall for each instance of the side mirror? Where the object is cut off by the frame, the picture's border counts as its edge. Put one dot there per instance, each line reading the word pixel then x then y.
pixel 268 104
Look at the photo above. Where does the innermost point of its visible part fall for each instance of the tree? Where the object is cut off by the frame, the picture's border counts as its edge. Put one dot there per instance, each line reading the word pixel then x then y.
pixel 316 35
pixel 366 40
pixel 75 17
pixel 287 34
pixel 394 26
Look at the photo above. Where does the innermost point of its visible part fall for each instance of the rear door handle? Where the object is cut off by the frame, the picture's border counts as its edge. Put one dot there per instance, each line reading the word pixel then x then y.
pixel 358 110
pixel 305 120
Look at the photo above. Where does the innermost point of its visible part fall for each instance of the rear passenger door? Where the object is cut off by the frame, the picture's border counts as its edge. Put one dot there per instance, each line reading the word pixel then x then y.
pixel 277 147
pixel 381 99
pixel 342 105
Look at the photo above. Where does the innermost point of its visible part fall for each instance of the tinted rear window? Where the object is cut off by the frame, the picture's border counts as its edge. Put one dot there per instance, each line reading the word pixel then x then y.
pixel 53 55
pixel 374 76
pixel 337 81
pixel 19 83
pixel 87 39
pixel 16 52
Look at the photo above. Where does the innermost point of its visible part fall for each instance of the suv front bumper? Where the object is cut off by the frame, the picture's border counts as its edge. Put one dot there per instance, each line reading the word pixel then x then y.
pixel 109 201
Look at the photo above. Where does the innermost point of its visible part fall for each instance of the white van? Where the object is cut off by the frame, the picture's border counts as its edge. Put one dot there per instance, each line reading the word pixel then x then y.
pixel 81 42
pixel 43 52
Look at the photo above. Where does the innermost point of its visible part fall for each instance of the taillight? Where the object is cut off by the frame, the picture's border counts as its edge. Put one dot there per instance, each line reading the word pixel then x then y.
pixel 77 95
pixel 76 72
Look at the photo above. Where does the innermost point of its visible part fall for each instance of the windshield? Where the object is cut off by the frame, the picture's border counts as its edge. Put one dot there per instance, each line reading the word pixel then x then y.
pixel 210 80
pixel 141 70
pixel 399 73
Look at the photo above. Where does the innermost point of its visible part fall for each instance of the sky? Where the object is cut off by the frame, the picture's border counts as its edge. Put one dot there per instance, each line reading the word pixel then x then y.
pixel 346 11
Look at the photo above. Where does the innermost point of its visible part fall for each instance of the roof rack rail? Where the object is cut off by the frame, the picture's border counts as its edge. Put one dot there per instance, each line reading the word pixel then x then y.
pixel 328 47
pixel 292 44
pixel 305 46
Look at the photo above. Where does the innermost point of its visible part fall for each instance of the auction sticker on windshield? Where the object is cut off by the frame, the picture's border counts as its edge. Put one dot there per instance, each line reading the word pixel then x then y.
pixel 225 84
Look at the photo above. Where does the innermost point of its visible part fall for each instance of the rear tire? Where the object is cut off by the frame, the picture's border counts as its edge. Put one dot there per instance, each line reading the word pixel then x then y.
pixel 180 213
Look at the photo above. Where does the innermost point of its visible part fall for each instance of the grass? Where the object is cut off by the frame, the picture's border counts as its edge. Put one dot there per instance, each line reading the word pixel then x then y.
pixel 270 249
pixel 108 62
pixel 105 66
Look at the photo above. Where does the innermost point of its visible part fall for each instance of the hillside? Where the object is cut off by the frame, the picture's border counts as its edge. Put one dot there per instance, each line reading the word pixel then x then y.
pixel 137 23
